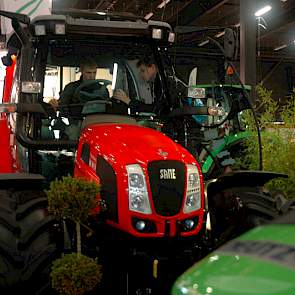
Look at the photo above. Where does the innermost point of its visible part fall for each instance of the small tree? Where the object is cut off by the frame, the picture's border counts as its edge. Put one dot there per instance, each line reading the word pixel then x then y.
pixel 74 198
pixel 75 274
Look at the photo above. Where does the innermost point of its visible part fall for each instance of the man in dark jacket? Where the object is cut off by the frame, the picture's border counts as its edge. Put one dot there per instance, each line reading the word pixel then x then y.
pixel 148 71
pixel 88 72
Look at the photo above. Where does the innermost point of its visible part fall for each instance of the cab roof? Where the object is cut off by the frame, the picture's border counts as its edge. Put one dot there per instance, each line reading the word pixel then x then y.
pixel 80 21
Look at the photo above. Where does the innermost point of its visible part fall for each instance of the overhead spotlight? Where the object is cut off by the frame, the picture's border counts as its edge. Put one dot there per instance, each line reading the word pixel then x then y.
pixel 203 43
pixel 101 13
pixel 149 15
pixel 280 47
pixel 220 34
pixel 162 4
pixel 263 10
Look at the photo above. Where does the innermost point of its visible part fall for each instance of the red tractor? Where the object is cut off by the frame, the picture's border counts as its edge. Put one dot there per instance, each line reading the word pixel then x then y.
pixel 157 210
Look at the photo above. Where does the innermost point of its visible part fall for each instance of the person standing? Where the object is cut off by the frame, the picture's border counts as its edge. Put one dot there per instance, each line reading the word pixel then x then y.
pixel 148 71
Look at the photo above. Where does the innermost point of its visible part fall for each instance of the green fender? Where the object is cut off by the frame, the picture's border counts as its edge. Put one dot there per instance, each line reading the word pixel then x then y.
pixel 261 261
pixel 228 140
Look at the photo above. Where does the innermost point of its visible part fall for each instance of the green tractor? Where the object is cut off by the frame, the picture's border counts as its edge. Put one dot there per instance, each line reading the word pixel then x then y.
pixel 260 261
pixel 221 142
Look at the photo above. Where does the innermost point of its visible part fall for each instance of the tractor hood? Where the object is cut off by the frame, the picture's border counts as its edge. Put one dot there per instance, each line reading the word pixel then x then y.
pixel 260 261
pixel 128 144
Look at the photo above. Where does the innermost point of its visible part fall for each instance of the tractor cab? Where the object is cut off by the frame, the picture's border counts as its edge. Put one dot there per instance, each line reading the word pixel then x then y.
pixel 49 51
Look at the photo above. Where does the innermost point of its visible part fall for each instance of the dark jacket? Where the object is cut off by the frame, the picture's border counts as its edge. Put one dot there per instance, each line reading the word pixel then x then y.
pixel 91 92
pixel 67 95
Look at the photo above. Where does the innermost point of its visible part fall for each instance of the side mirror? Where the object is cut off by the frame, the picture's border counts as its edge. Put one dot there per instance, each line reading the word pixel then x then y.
pixel 6 60
pixel 230 44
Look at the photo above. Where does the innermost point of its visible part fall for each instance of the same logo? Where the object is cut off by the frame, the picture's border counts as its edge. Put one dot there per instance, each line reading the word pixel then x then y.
pixel 168 173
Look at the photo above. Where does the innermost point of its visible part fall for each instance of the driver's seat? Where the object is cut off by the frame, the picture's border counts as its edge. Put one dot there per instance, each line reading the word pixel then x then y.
pixel 84 97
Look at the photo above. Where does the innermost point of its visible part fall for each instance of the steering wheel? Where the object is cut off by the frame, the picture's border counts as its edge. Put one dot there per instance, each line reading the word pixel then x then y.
pixel 92 90
pixel 88 91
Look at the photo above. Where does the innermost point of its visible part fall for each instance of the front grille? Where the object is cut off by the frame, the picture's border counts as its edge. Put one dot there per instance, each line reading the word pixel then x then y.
pixel 167 180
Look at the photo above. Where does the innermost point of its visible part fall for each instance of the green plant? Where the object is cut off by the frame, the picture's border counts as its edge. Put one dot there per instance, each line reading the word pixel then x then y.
pixel 74 199
pixel 75 274
pixel 278 141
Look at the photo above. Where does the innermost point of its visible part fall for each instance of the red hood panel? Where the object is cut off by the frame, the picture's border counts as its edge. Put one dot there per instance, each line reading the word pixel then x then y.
pixel 127 144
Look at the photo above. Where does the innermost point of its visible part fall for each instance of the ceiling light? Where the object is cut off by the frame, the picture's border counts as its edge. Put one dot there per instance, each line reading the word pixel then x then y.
pixel 40 30
pixel 171 37
pixel 157 33
pixel 280 47
pixel 237 25
pixel 149 15
pixel 101 13
pixel 203 43
pixel 220 34
pixel 161 5
pixel 60 29
pixel 115 72
pixel 263 10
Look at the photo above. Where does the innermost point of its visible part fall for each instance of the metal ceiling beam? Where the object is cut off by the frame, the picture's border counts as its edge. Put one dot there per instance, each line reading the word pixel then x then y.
pixel 99 4
pixel 280 23
pixel 136 4
pixel 271 71
pixel 172 10
pixel 198 8
pixel 208 11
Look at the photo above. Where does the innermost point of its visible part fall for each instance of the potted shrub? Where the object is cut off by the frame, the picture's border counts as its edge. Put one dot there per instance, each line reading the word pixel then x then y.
pixel 75 274
pixel 74 199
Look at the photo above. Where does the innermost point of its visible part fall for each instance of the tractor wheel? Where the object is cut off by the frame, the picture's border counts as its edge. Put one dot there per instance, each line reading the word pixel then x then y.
pixel 256 218
pixel 27 242
pixel 258 209
pixel 235 212
pixel 282 203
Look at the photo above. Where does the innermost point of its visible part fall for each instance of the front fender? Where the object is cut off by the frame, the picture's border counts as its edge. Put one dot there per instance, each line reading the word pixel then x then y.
pixel 241 181
pixel 236 179
pixel 235 202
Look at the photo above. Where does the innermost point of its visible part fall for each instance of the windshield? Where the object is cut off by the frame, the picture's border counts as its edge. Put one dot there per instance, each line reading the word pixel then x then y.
pixel 75 94
pixel 115 62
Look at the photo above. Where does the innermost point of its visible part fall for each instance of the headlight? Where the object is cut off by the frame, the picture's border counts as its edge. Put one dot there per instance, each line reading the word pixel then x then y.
pixel 193 180
pixel 137 190
pixel 193 190
pixel 137 201
pixel 191 200
pixel 136 180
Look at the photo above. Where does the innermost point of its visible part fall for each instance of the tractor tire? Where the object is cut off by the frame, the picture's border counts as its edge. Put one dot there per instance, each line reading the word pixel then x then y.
pixel 235 212
pixel 258 208
pixel 27 242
